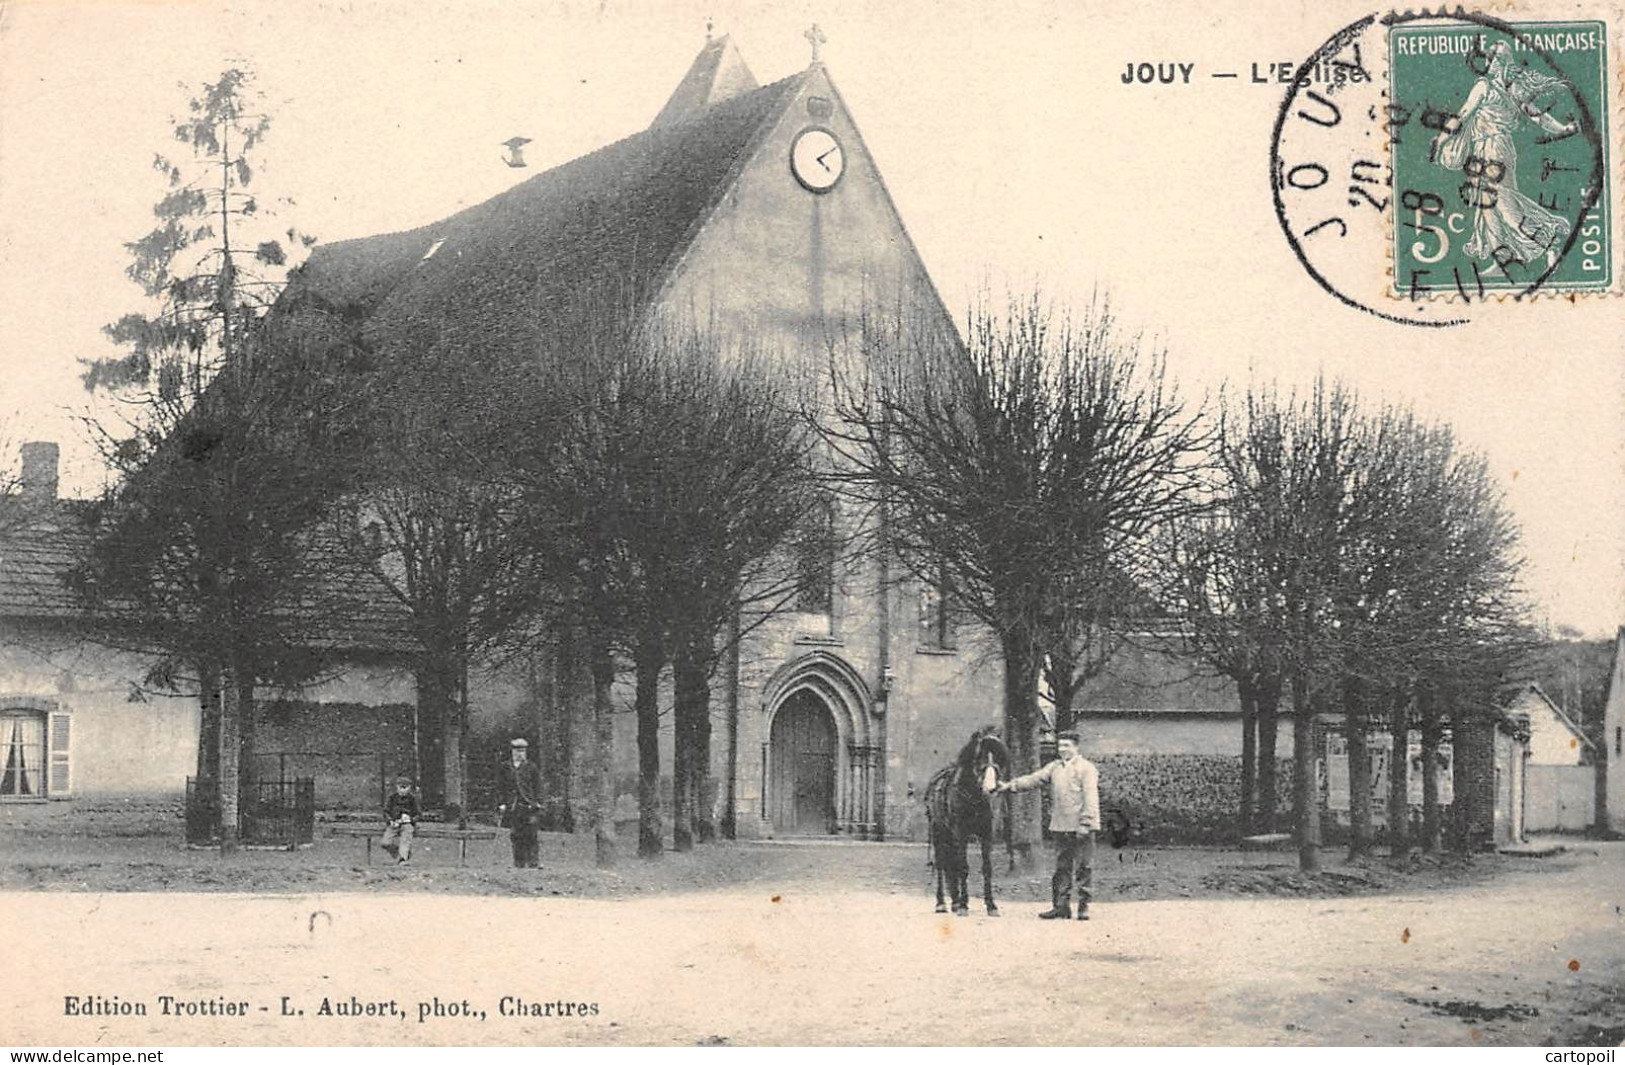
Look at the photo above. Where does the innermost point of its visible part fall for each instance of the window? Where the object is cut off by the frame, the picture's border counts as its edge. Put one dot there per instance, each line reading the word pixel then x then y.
pixel 815 562
pixel 22 754
pixel 936 614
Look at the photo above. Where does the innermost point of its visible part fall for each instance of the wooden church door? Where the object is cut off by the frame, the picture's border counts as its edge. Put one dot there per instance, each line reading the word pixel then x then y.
pixel 803 766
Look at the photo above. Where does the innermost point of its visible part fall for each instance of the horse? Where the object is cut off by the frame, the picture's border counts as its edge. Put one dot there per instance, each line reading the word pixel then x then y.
pixel 958 805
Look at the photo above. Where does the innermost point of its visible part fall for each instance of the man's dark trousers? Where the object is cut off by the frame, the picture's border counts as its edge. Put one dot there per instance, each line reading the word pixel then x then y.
pixel 523 835
pixel 1074 861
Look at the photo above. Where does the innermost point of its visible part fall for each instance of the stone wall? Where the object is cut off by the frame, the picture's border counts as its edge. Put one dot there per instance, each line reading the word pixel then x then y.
pixel 351 750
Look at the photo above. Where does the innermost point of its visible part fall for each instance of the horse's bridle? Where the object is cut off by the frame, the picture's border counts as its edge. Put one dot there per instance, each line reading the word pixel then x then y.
pixel 990 773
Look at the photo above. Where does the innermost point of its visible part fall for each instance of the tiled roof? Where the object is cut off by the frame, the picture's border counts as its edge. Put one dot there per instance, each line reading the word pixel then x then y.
pixel 39 545
pixel 354 612
pixel 606 226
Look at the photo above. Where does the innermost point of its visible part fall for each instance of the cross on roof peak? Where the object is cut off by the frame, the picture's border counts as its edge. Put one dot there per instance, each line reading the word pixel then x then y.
pixel 815 37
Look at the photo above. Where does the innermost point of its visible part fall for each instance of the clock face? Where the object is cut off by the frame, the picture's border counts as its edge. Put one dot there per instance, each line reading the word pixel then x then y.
pixel 816 159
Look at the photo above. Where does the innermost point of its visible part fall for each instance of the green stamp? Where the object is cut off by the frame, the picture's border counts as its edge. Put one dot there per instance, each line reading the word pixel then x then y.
pixel 1500 138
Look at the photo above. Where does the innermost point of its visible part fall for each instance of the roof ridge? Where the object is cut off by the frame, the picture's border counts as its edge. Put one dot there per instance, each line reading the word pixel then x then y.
pixel 1562 714
pixel 648 131
pixel 668 270
pixel 623 214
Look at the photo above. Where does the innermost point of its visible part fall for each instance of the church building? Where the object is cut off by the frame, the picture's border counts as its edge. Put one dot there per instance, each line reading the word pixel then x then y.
pixel 758 211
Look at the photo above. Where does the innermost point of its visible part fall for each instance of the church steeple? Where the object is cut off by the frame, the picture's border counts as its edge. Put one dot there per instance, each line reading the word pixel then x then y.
pixel 718 73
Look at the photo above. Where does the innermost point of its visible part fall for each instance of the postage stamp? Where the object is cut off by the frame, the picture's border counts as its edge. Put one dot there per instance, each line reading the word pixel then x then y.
pixel 1428 164
pixel 1499 152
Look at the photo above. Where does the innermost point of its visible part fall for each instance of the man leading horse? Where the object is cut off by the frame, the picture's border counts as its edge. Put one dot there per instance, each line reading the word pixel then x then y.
pixel 1074 818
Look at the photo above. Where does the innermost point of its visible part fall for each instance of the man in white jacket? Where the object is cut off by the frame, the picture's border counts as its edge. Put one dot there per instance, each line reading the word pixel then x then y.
pixel 1074 818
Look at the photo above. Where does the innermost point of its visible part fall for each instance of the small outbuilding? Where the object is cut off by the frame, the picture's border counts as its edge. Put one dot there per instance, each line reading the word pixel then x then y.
pixel 1560 795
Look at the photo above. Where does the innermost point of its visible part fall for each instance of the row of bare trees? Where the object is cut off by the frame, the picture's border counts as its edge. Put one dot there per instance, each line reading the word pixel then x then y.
pixel 1352 560
pixel 1028 467
pixel 1358 562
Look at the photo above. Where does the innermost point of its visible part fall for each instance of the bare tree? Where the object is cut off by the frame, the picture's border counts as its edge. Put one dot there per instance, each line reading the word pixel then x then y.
pixel 1213 586
pixel 439 528
pixel 659 502
pixel 1287 467
pixel 743 462
pixel 1029 465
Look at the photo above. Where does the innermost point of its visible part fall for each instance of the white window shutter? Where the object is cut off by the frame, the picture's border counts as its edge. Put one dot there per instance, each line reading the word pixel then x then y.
pixel 60 740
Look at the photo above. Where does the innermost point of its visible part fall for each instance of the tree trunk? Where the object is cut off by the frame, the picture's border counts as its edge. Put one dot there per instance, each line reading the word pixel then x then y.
pixel 1431 828
pixel 1305 797
pixel 565 664
pixel 730 816
pixel 1269 707
pixel 682 762
pixel 208 738
pixel 540 698
pixel 1359 748
pixel 691 686
pixel 434 698
pixel 462 731
pixel 1249 754
pixel 705 825
pixel 246 767
pixel 1432 736
pixel 1461 826
pixel 1021 737
pixel 603 788
pixel 1063 684
pixel 232 713
pixel 646 705
pixel 1399 764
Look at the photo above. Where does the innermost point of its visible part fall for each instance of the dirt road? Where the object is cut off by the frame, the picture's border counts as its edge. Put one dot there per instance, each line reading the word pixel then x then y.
pixel 1530 958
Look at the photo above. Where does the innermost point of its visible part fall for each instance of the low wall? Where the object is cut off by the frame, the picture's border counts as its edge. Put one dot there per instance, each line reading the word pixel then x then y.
pixel 1192 798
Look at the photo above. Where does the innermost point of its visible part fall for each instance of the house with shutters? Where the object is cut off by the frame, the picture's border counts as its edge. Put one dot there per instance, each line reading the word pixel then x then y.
pixel 74 719
pixel 81 715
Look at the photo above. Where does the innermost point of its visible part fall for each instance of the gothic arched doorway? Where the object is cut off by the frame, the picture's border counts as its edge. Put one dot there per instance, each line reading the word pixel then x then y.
pixel 802 774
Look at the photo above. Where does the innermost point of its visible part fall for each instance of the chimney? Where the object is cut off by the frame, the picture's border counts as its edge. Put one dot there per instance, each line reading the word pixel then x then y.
pixel 38 480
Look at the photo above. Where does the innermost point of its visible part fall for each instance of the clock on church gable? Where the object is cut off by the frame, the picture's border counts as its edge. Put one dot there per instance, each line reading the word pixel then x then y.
pixel 817 159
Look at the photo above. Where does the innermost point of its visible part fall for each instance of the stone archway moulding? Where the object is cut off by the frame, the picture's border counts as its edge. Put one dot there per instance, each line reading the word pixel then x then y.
pixel 834 680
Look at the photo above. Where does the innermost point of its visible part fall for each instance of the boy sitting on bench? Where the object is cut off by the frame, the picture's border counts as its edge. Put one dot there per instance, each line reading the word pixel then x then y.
pixel 400 815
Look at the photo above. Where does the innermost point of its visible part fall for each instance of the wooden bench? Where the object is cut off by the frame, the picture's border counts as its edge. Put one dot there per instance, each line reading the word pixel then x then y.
pixel 422 830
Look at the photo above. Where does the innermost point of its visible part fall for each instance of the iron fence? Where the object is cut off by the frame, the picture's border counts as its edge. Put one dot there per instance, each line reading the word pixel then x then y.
pixel 279 813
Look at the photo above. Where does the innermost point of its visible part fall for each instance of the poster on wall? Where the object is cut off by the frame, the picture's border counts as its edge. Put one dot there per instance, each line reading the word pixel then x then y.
pixel 1379 748
pixel 1337 772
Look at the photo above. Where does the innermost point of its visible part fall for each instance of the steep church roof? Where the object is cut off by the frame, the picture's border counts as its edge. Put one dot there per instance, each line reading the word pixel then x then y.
pixel 494 278
pixel 719 73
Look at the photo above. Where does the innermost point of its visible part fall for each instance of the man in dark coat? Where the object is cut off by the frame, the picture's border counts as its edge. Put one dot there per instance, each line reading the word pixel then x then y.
pixel 522 785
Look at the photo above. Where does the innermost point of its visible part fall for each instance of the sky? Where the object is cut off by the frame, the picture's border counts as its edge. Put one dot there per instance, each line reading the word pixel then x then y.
pixel 1014 151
